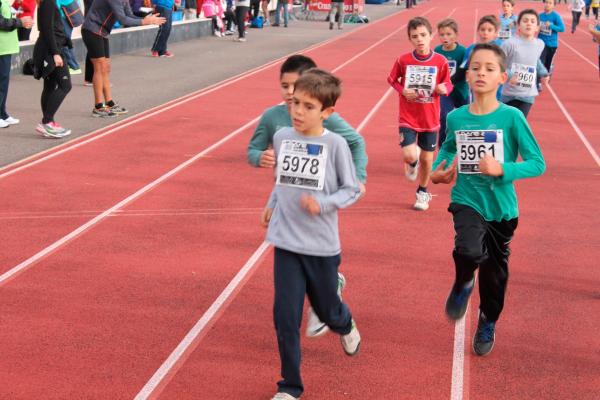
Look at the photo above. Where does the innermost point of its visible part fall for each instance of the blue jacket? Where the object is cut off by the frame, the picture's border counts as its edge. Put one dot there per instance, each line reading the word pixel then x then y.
pixel 168 4
pixel 549 34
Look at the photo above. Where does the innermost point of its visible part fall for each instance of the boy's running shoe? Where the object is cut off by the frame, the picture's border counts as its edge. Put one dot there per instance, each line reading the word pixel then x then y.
pixel 284 396
pixel 423 199
pixel 118 110
pixel 315 327
pixel 483 341
pixel 103 112
pixel 52 130
pixel 351 341
pixel 456 304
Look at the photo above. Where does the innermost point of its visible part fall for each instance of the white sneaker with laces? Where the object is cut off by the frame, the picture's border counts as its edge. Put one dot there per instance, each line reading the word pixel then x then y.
pixel 315 327
pixel 351 341
pixel 11 121
pixel 423 199
pixel 4 124
pixel 284 396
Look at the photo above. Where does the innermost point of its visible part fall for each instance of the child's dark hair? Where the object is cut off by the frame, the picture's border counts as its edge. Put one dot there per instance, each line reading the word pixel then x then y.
pixel 529 11
pixel 417 22
pixel 448 23
pixel 493 48
pixel 489 19
pixel 297 63
pixel 321 85
pixel 512 2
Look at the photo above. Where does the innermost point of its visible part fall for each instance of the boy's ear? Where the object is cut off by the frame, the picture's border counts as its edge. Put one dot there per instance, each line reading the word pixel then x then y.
pixel 504 77
pixel 326 113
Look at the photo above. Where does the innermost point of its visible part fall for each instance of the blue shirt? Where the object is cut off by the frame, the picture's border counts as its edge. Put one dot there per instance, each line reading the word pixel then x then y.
pixel 549 33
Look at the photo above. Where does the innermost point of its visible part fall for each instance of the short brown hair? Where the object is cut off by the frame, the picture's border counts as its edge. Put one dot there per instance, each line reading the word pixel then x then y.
pixel 489 19
pixel 529 11
pixel 512 2
pixel 493 48
pixel 448 23
pixel 417 22
pixel 321 85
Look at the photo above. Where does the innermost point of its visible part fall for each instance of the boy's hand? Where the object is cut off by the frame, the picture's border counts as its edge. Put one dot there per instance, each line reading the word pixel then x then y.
pixel 27 22
pixel 310 204
pixel 440 175
pixel 441 89
pixel 545 80
pixel 410 94
pixel 489 166
pixel 267 159
pixel 363 189
pixel 266 216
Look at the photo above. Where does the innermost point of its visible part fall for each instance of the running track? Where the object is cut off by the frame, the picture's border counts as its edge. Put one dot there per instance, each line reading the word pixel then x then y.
pixel 115 249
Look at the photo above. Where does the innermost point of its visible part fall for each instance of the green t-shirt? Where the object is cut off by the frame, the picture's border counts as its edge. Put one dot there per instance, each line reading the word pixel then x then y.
pixel 503 133
pixel 9 42
pixel 277 117
pixel 457 75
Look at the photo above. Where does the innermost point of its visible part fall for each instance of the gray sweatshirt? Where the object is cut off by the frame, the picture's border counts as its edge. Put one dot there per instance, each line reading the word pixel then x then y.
pixel 318 166
pixel 522 57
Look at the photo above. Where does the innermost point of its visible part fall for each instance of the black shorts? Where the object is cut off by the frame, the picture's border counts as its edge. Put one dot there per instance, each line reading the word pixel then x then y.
pixel 426 140
pixel 97 46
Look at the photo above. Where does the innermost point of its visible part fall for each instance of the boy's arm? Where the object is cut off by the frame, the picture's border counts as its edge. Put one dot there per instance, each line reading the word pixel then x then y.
pixel 261 139
pixel 445 78
pixel 533 163
pixel 558 25
pixel 396 73
pixel 335 123
pixel 348 191
pixel 541 69
pixel 595 33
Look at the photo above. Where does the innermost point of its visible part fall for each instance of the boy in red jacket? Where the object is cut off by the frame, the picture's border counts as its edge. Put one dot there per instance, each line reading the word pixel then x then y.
pixel 420 77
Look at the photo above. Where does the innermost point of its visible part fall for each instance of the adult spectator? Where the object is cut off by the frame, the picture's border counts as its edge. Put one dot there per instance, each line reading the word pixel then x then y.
pixel 89 67
pixel 164 8
pixel 96 29
pixel 338 6
pixel 282 5
pixel 9 45
pixel 25 8
pixel 241 11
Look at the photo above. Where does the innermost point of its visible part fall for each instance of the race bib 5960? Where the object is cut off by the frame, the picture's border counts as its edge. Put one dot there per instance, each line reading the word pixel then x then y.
pixel 525 74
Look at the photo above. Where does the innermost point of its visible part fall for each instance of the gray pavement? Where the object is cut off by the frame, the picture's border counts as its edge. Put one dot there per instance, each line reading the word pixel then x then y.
pixel 141 82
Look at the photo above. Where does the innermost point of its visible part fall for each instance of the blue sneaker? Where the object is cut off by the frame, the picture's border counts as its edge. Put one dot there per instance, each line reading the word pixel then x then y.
pixel 483 342
pixel 457 302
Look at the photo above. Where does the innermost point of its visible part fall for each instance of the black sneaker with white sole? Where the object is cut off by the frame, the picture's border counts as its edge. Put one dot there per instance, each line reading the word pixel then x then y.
pixel 483 341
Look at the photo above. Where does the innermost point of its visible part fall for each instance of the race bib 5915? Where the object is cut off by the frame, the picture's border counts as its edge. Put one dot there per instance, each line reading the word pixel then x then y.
pixel 473 145
pixel 422 79
pixel 301 164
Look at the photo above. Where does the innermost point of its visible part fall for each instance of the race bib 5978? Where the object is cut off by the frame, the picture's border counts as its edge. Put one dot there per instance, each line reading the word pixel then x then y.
pixel 301 164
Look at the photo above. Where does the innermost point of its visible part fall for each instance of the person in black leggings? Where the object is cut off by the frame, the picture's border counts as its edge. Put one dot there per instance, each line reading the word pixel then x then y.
pixel 51 67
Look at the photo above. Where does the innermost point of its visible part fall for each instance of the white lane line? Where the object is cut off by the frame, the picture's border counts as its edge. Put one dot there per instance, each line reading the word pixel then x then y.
pixel 582 137
pixel 188 343
pixel 584 58
pixel 117 126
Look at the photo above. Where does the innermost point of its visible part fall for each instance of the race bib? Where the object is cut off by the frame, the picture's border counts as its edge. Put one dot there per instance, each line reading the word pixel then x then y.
pixel 452 67
pixel 525 74
pixel 545 29
pixel 422 79
pixel 301 164
pixel 505 34
pixel 472 146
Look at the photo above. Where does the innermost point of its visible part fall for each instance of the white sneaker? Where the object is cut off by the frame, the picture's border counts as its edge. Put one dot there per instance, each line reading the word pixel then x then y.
pixel 315 327
pixel 11 121
pixel 284 396
pixel 411 172
pixel 4 124
pixel 351 341
pixel 423 199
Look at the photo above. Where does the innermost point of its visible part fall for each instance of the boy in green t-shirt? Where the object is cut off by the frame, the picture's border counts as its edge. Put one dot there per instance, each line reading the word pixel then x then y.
pixel 489 137
pixel 455 54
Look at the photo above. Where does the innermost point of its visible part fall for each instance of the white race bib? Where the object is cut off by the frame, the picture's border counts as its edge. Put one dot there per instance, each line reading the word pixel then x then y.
pixel 525 74
pixel 472 146
pixel 504 34
pixel 452 67
pixel 301 164
pixel 422 79
pixel 545 29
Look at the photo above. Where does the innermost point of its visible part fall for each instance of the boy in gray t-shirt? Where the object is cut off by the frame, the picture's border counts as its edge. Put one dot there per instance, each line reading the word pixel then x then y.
pixel 315 176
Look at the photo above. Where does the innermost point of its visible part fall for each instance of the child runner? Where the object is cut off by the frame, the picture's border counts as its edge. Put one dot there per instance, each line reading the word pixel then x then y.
pixel 261 154
pixel 489 137
pixel 550 24
pixel 595 7
pixel 508 20
pixel 595 31
pixel 454 53
pixel 576 7
pixel 315 177
pixel 420 77
pixel 524 66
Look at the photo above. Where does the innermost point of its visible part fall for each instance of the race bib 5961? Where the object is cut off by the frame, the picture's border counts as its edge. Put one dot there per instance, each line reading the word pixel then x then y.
pixel 473 145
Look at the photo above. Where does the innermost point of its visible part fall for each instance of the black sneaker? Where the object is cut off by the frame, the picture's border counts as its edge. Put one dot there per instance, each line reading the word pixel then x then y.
pixel 457 302
pixel 483 342
pixel 103 112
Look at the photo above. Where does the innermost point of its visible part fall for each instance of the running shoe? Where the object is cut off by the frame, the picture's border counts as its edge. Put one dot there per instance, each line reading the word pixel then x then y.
pixel 75 71
pixel 154 54
pixel 456 304
pixel 104 112
pixel 284 396
pixel 351 341
pixel 423 199
pixel 167 54
pixel 88 84
pixel 483 341
pixel 240 39
pixel 229 32
pixel 118 110
pixel 4 124
pixel 315 327
pixel 52 130
pixel 12 121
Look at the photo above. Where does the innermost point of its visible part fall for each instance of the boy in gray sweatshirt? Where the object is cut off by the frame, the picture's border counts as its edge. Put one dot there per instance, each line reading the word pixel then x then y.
pixel 315 176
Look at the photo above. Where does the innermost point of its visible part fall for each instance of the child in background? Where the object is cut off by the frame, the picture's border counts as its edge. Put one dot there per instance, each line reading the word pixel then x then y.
pixel 595 7
pixel 420 78
pixel 214 10
pixel 524 66
pixel 454 53
pixel 550 24
pixel 25 8
pixel 488 138
pixel 314 178
pixel 576 7
pixel 595 31
pixel 508 20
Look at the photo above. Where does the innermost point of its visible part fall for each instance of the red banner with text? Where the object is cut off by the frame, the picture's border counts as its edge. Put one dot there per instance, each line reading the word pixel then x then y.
pixel 350 6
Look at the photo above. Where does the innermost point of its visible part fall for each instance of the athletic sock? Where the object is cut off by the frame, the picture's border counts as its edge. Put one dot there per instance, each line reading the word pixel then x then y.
pixel 422 189
pixel 99 106
pixel 110 103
